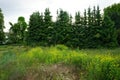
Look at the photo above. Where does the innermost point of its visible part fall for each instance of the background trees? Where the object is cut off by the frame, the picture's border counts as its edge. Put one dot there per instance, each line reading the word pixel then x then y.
pixel 62 27
pixel 108 33
pixel 86 28
pixel 113 12
pixel 34 29
pixel 90 30
pixel 17 31
pixel 40 29
pixel 23 26
pixel 48 27
pixel 2 34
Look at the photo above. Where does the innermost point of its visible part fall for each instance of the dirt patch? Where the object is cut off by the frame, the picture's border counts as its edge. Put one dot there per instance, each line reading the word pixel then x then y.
pixel 53 72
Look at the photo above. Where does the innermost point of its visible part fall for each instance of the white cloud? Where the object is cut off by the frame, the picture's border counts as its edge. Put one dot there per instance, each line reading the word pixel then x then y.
pixel 12 9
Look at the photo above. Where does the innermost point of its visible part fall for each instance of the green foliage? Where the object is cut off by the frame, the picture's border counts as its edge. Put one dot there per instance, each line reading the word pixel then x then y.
pixel 113 12
pixel 89 17
pixel 62 28
pixel 2 34
pixel 61 47
pixel 86 29
pixel 17 31
pixel 118 37
pixel 90 30
pixel 104 68
pixel 108 33
pixel 48 28
pixel 90 64
pixel 77 18
pixel 40 31
pixel 85 18
pixel 23 27
pixel 34 29
pixel 98 17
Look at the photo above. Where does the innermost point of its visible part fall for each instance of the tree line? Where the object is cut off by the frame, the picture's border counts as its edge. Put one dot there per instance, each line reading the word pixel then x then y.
pixel 90 29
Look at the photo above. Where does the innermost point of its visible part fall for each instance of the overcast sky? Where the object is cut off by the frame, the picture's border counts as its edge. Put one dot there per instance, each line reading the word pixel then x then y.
pixel 12 9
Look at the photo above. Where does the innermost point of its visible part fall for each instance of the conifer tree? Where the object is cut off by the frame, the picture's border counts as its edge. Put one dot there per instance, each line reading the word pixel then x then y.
pixel 77 30
pixel 98 17
pixel 85 18
pixel 108 33
pixel 70 19
pixel 62 27
pixel 89 17
pixel 2 34
pixel 48 27
pixel 69 32
pixel 113 12
pixel 34 30
pixel 94 16
pixel 77 18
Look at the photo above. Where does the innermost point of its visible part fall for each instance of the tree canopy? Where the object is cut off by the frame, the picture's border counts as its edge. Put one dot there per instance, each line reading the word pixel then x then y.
pixel 2 34
pixel 90 29
pixel 113 12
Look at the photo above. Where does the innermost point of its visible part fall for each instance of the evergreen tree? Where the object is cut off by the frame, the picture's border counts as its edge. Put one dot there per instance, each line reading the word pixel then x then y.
pixel 2 34
pixel 69 34
pixel 85 18
pixel 77 18
pixel 98 17
pixel 108 33
pixel 91 33
pixel 88 31
pixel 94 16
pixel 62 27
pixel 113 12
pixel 89 17
pixel 48 27
pixel 70 19
pixel 77 29
pixel 34 30
pixel 94 28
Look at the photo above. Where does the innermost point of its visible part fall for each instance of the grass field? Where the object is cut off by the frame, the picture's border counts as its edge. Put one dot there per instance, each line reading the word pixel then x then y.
pixel 58 63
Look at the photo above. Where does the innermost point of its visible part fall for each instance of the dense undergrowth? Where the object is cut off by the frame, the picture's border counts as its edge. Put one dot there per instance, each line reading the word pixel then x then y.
pixel 58 63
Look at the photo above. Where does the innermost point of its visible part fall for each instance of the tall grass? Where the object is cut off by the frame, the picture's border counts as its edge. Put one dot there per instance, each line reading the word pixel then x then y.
pixel 91 64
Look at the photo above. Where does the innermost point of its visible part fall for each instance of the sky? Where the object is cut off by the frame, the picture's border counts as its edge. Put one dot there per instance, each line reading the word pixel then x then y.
pixel 12 9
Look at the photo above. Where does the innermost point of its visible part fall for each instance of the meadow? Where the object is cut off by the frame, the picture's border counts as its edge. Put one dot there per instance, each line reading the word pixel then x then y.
pixel 58 63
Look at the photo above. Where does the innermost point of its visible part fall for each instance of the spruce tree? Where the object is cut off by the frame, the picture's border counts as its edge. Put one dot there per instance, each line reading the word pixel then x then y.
pixel 2 34
pixel 34 30
pixel 98 17
pixel 94 16
pixel 77 18
pixel 85 18
pixel 113 12
pixel 77 29
pixel 48 27
pixel 62 27
pixel 70 19
pixel 108 33
pixel 89 17
pixel 70 32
